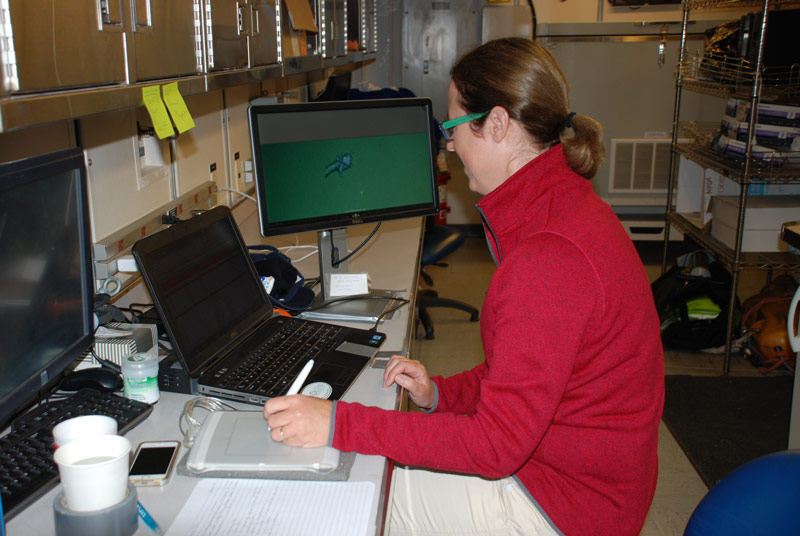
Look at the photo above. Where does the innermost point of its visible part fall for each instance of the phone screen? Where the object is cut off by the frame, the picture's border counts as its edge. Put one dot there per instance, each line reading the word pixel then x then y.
pixel 152 461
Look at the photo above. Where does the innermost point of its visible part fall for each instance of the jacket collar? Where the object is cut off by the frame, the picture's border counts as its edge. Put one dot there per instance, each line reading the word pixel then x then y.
pixel 521 201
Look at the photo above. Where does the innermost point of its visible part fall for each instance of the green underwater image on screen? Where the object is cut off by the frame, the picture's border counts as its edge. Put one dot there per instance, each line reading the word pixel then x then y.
pixel 343 176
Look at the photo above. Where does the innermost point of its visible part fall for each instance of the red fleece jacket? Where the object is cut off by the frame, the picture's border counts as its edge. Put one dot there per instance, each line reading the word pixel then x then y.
pixel 570 395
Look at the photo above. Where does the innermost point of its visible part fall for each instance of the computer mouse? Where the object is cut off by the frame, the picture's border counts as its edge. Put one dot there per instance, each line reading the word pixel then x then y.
pixel 98 378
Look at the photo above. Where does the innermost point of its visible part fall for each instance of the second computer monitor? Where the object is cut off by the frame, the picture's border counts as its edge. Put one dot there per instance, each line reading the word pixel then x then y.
pixel 322 166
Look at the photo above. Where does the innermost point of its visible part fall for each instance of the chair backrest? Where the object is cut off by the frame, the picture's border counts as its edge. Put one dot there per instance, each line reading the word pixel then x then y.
pixel 440 241
pixel 760 497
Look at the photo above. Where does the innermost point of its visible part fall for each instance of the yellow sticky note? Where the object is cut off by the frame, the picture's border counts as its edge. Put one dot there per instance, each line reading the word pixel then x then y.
pixel 151 95
pixel 177 108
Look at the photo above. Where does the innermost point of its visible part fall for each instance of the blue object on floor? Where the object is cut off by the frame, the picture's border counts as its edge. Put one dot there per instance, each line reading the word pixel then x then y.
pixel 760 497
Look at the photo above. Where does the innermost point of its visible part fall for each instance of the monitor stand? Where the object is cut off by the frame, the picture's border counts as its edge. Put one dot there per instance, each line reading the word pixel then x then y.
pixel 362 308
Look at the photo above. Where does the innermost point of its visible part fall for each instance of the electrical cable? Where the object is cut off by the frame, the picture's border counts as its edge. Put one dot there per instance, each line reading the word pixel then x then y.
pixel 354 298
pixel 247 196
pixel 403 302
pixel 336 263
pixel 304 257
pixel 193 425
pixel 105 363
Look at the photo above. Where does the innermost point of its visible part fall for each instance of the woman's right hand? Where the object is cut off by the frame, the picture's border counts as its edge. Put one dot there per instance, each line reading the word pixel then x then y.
pixel 411 376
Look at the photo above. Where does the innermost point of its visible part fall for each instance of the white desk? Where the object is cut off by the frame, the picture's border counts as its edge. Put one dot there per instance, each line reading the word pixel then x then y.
pixel 392 259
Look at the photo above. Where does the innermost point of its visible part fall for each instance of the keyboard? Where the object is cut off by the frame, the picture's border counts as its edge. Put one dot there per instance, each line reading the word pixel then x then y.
pixel 27 468
pixel 271 366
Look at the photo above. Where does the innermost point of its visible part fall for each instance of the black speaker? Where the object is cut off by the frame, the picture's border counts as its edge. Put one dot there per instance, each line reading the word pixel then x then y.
pixel 173 377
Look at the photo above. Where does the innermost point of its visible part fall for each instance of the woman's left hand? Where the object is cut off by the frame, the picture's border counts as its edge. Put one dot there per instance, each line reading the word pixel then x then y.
pixel 298 420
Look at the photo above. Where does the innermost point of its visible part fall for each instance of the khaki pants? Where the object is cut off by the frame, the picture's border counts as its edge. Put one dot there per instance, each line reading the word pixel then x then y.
pixel 431 503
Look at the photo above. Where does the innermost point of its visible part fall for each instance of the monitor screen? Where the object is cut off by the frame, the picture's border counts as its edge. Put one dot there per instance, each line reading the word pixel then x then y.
pixel 46 276
pixel 325 165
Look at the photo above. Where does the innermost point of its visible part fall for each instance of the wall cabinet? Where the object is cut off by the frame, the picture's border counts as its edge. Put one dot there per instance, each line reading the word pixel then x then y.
pixel 747 84
pixel 51 45
pixel 72 74
pixel 65 60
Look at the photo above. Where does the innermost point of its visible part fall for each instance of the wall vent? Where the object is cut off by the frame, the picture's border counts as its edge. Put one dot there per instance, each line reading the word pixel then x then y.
pixel 640 166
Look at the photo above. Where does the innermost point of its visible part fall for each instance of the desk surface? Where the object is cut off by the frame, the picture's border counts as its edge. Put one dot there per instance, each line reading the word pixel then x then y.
pixel 392 261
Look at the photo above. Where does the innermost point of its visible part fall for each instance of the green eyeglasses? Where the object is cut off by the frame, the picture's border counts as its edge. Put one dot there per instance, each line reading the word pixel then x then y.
pixel 447 126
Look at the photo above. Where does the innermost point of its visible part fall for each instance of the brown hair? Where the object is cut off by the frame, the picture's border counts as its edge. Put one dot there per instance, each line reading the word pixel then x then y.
pixel 525 79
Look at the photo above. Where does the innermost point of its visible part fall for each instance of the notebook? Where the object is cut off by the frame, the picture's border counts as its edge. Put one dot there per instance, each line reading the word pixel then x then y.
pixel 220 320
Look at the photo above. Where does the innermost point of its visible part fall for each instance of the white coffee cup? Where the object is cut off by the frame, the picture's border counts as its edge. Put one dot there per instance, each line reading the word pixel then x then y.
pixel 85 426
pixel 94 471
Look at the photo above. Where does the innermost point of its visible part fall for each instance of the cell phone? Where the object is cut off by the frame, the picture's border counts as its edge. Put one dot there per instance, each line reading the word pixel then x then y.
pixel 153 462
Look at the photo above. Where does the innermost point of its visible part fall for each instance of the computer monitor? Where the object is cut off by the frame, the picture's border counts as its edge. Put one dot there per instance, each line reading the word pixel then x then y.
pixel 46 276
pixel 324 166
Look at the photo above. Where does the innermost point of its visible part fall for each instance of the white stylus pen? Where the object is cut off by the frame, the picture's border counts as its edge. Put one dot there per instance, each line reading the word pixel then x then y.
pixel 301 378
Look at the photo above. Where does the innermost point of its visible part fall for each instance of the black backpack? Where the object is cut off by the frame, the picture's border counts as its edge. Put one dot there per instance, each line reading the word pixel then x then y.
pixel 682 290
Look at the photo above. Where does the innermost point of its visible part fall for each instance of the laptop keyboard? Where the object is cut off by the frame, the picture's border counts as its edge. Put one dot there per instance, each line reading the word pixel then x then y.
pixel 27 468
pixel 270 368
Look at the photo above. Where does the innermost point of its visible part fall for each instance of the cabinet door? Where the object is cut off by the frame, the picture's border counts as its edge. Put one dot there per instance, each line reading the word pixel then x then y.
pixel 339 33
pixel 369 26
pixel 226 33
pixel 263 37
pixel 164 38
pixel 328 27
pixel 61 44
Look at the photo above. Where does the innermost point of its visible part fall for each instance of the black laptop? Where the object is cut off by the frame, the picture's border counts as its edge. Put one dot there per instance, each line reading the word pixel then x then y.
pixel 221 323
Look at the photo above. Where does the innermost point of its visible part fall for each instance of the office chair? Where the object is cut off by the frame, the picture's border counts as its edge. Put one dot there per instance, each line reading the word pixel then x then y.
pixel 757 498
pixel 438 242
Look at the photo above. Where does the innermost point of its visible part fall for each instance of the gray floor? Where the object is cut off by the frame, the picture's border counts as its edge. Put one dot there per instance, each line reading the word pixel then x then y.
pixel 457 347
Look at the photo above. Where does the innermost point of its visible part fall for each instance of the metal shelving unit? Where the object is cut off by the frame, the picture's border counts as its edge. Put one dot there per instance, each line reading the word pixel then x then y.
pixel 724 77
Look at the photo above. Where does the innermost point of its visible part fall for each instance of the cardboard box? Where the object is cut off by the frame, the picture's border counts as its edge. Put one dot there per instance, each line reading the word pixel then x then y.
pixel 762 222
pixel 735 149
pixel 753 240
pixel 296 20
pixel 768 113
pixel 780 137
pixel 715 185
pixel 689 188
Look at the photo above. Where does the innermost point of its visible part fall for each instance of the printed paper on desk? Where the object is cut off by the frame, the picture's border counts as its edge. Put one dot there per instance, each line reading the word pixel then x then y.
pixel 349 284
pixel 244 507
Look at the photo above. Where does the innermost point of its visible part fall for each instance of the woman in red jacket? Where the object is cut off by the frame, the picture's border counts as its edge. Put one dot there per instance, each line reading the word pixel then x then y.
pixel 556 432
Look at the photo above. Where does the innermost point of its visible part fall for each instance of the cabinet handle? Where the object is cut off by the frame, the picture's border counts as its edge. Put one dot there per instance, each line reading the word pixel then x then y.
pixel 109 14
pixel 142 14
pixel 241 28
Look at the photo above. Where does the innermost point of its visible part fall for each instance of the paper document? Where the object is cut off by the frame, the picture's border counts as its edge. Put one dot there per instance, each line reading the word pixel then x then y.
pixel 244 507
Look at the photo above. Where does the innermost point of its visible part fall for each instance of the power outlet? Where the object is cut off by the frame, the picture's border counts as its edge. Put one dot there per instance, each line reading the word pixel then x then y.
pixel 152 167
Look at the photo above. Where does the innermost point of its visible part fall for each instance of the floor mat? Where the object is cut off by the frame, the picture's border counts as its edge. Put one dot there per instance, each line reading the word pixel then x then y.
pixel 722 422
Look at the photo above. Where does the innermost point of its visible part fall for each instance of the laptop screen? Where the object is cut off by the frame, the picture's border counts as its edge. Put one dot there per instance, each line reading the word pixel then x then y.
pixel 203 283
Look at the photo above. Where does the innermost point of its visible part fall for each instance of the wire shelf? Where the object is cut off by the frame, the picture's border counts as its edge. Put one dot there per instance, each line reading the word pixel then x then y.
pixel 698 4
pixel 766 165
pixel 723 76
pixel 688 225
